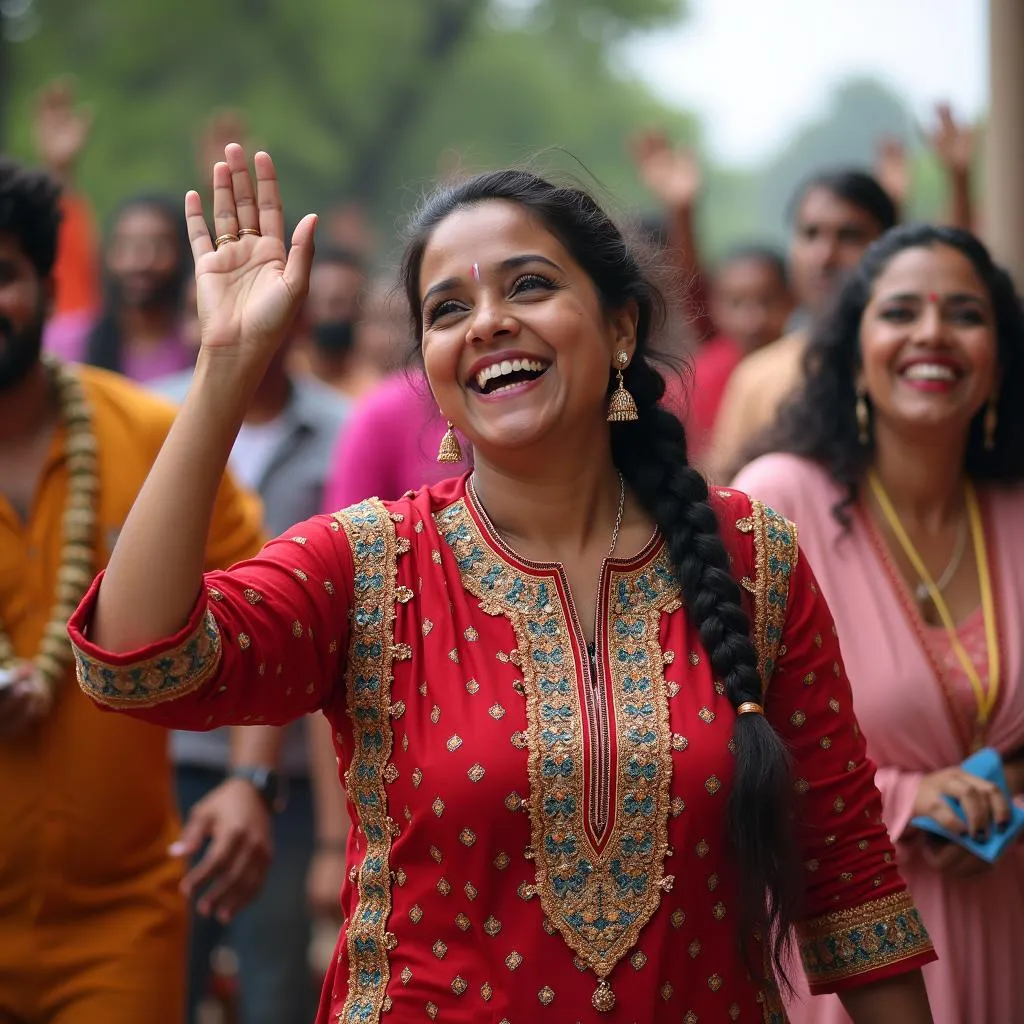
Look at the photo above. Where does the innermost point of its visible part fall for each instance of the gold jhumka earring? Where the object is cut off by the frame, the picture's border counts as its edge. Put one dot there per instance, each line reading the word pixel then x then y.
pixel 621 406
pixel 450 450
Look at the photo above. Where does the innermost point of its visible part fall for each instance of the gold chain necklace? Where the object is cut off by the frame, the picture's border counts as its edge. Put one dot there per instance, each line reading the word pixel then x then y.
pixel 79 525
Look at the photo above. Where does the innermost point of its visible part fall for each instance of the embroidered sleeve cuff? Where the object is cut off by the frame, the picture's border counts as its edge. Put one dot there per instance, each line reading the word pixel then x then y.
pixel 881 938
pixel 157 673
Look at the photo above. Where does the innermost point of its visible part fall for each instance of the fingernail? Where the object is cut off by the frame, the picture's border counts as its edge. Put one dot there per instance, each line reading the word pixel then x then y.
pixel 223 916
pixel 176 849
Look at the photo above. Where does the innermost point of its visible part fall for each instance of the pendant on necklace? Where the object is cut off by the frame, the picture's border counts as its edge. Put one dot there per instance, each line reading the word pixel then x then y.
pixel 603 997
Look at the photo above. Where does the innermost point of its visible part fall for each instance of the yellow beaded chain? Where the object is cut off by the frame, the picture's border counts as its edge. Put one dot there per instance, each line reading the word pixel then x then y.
pixel 78 551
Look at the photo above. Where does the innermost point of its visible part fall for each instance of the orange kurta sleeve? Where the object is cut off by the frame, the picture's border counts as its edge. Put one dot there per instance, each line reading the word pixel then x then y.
pixel 77 270
pixel 860 923
pixel 265 642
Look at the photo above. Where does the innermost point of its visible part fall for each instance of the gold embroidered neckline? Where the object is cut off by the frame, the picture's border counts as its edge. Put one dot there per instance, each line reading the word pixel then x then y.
pixel 502 548
pixel 79 524
pixel 489 523
pixel 598 885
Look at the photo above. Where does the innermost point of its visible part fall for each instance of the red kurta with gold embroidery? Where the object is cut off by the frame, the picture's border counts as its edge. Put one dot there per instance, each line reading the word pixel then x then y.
pixel 524 825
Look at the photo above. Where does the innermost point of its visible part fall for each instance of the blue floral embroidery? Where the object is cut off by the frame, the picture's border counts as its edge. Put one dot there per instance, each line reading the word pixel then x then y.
pixel 598 887
pixel 861 939
pixel 163 677
pixel 776 552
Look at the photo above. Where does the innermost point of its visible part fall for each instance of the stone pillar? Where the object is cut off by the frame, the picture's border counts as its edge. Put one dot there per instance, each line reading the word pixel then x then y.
pixel 1002 200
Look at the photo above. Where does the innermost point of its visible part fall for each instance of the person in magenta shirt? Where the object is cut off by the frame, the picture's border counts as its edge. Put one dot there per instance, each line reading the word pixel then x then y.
pixel 389 445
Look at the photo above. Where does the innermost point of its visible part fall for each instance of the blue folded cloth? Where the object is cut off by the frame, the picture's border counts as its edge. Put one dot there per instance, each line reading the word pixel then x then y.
pixel 986 764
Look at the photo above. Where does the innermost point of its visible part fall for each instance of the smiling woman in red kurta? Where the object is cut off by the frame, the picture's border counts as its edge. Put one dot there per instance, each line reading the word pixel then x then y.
pixel 523 826
pixel 567 762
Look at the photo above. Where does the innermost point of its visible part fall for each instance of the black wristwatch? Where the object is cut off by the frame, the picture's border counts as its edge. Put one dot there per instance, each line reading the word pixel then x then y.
pixel 270 786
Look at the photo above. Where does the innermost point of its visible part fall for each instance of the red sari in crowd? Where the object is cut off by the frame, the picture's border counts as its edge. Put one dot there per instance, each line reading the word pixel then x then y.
pixel 524 828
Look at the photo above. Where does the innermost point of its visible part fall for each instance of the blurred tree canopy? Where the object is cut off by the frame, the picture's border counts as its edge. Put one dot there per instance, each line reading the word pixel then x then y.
pixel 371 102
pixel 357 102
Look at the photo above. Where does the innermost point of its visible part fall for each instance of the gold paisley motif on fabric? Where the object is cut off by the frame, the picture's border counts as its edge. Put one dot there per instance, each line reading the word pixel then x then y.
pixel 599 831
pixel 776 551
pixel 371 535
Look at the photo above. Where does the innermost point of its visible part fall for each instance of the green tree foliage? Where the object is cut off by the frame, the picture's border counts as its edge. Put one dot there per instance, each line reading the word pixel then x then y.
pixel 356 101
pixel 372 101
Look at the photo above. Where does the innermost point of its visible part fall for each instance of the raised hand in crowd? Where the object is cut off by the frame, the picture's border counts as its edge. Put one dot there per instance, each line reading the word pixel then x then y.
pixel 223 127
pixel 672 173
pixel 248 286
pixel 892 169
pixel 952 142
pixel 954 145
pixel 61 129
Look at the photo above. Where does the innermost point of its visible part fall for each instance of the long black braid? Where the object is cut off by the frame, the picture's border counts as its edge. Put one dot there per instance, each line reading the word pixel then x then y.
pixel 651 454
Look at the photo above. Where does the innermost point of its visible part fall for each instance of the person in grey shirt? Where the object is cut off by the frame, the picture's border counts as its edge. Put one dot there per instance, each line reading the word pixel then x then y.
pixel 282 453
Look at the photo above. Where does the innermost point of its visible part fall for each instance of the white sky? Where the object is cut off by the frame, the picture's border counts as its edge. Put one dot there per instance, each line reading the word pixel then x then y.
pixel 755 70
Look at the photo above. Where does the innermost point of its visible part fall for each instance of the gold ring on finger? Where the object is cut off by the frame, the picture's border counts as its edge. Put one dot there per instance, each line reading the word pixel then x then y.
pixel 221 239
pixel 248 231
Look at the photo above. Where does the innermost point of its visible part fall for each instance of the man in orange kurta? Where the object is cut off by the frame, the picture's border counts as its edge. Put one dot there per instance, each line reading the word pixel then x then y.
pixel 92 922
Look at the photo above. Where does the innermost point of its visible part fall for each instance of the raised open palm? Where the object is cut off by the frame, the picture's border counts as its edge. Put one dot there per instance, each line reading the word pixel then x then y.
pixel 672 173
pixel 248 287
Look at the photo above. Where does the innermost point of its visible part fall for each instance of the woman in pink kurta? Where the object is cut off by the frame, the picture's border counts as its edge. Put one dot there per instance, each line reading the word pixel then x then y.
pixel 921 307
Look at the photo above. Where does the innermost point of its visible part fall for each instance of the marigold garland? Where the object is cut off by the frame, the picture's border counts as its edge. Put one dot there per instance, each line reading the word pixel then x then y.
pixel 79 524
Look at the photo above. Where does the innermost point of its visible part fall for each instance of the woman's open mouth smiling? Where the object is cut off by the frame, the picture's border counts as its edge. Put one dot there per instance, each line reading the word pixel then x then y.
pixel 501 376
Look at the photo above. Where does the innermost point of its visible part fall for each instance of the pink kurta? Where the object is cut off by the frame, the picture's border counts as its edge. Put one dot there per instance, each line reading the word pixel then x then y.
pixel 911 730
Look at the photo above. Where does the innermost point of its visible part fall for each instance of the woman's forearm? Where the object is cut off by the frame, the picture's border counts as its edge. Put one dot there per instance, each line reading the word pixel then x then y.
pixel 961 207
pixel 155 572
pixel 898 1000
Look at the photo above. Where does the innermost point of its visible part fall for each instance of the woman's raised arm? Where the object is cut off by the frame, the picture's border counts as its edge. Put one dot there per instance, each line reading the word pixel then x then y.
pixel 249 289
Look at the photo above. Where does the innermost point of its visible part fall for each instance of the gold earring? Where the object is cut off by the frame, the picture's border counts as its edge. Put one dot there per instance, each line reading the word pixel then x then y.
pixel 989 424
pixel 863 417
pixel 450 449
pixel 621 406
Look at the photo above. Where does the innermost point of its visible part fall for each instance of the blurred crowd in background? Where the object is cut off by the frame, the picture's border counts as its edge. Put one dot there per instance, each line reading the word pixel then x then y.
pixel 345 410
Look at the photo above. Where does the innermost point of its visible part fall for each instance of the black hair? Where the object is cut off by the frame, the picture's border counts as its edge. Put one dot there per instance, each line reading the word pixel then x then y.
pixel 819 423
pixel 765 254
pixel 651 455
pixel 103 346
pixel 652 228
pixel 30 211
pixel 858 188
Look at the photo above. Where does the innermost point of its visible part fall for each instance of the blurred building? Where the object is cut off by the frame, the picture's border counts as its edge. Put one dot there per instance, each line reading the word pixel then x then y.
pixel 1003 196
